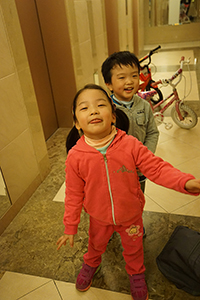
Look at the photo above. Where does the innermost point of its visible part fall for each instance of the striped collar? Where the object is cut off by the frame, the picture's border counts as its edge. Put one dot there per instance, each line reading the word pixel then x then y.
pixel 126 104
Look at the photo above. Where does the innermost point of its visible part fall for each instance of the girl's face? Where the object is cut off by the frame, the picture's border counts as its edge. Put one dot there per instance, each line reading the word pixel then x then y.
pixel 94 114
pixel 124 82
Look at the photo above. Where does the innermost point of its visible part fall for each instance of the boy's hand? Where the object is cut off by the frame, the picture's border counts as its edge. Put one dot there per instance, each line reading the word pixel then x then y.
pixel 63 239
pixel 193 186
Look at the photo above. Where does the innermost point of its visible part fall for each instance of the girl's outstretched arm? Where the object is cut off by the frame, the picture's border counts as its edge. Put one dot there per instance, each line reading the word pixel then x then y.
pixel 193 186
pixel 63 239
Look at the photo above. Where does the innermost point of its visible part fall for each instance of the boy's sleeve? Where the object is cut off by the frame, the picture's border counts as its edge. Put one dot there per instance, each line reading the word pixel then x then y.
pixel 74 196
pixel 152 132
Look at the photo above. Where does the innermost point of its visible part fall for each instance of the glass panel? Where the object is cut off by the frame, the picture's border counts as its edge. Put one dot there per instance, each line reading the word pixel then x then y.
pixel 171 12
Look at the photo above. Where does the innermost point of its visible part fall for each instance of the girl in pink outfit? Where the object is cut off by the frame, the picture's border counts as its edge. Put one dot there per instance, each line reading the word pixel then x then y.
pixel 101 176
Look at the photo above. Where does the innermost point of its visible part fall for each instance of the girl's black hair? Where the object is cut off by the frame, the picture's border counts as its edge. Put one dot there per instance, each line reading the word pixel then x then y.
pixel 122 122
pixel 121 58
pixel 90 86
pixel 72 138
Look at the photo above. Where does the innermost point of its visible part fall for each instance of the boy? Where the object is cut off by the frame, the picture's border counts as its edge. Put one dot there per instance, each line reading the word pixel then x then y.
pixel 121 75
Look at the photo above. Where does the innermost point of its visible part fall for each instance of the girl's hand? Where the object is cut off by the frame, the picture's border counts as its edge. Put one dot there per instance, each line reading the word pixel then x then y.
pixel 193 186
pixel 63 239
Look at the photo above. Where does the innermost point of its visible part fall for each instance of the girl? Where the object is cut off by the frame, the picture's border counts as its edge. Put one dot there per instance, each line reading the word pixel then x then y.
pixel 101 176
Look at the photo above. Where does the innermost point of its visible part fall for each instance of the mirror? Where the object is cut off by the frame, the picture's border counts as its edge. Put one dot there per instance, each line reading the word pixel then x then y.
pixel 173 12
pixel 5 202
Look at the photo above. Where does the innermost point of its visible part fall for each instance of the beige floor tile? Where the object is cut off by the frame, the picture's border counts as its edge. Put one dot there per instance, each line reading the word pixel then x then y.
pixel 60 196
pixel 15 285
pixel 69 292
pixel 192 166
pixel 45 292
pixel 190 137
pixel 151 205
pixel 176 145
pixel 190 209
pixel 168 199
pixel 167 58
pixel 20 286
pixel 163 137
pixel 180 133
pixel 176 152
pixel 175 131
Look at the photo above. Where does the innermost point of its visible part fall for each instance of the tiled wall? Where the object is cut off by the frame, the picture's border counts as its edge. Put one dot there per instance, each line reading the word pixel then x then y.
pixel 125 21
pixel 23 154
pixel 88 34
pixel 86 21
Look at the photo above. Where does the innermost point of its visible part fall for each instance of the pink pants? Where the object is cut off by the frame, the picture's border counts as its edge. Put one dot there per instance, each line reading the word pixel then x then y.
pixel 132 242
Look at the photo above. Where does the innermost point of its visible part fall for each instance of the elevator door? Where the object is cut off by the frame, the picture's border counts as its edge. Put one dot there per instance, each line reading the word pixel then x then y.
pixel 31 30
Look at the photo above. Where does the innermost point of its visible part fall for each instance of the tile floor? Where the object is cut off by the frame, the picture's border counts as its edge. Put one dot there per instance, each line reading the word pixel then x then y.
pixel 27 287
pixel 20 281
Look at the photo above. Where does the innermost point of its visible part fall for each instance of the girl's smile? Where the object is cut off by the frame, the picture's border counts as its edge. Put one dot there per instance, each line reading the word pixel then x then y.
pixel 94 121
pixel 94 114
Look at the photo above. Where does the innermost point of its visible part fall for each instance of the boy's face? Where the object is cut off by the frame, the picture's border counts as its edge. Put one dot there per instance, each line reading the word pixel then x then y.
pixel 124 82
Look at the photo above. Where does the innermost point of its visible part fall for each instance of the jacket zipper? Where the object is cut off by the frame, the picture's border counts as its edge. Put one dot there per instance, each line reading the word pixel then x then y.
pixel 109 187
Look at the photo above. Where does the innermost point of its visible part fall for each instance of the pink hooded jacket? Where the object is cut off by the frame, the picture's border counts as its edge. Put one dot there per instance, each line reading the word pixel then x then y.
pixel 107 186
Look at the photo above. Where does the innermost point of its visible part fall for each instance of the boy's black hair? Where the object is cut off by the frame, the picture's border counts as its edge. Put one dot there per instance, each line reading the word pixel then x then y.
pixel 122 122
pixel 121 58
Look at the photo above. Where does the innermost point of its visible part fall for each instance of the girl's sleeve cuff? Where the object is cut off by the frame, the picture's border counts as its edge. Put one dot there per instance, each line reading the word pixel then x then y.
pixel 71 229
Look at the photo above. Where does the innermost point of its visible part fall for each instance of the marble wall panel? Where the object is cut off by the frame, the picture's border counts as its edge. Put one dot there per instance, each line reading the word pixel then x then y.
pixel 34 120
pixel 88 38
pixel 97 14
pixel 71 15
pixel 82 21
pixel 14 34
pixel 123 38
pixel 19 165
pixel 125 25
pixel 23 154
pixel 130 39
pixel 122 24
pixel 23 94
pixel 130 26
pixel 101 55
pixel 86 63
pixel 6 62
pixel 141 33
pixel 13 112
pixel 101 49
pixel 98 11
pixel 92 29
